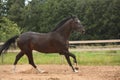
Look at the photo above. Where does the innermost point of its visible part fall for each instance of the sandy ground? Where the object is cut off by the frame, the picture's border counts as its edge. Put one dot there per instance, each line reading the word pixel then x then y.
pixel 60 72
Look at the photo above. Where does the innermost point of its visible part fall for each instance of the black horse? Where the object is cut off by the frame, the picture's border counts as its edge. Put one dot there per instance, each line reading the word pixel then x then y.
pixel 55 41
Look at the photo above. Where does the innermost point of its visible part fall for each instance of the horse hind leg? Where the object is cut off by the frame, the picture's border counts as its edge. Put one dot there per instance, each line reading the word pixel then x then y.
pixel 31 61
pixel 30 58
pixel 19 55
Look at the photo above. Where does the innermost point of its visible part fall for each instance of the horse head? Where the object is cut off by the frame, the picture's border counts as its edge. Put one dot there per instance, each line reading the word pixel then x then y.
pixel 76 25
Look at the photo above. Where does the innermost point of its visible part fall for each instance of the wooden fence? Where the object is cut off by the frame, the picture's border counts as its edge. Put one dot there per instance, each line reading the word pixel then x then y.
pixel 74 43
pixel 94 41
pixel 91 41
pixel 84 42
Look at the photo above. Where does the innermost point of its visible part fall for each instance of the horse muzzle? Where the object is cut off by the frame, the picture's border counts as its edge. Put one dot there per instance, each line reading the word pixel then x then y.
pixel 81 31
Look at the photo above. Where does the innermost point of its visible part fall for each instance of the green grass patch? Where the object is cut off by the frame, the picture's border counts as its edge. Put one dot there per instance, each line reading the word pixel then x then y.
pixel 83 58
pixel 99 58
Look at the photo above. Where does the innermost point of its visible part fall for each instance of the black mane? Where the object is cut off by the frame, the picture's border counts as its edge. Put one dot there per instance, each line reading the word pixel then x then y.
pixel 60 24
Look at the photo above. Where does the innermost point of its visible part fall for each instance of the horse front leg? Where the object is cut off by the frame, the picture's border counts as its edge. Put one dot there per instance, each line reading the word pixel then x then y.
pixel 69 62
pixel 75 61
pixel 74 57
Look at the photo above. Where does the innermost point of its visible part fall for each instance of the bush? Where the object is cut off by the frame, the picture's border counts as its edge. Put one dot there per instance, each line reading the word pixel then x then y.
pixel 8 29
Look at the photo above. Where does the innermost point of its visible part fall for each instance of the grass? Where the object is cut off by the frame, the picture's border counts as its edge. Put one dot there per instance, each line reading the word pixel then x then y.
pixel 84 58
pixel 99 58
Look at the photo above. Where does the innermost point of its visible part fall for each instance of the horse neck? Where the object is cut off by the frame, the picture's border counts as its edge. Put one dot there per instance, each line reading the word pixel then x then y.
pixel 65 30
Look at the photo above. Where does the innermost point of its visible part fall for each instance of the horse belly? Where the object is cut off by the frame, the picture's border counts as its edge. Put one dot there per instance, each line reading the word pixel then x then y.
pixel 47 48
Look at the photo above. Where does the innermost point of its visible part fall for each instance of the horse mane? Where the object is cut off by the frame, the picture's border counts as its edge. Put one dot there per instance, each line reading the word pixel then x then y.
pixel 61 23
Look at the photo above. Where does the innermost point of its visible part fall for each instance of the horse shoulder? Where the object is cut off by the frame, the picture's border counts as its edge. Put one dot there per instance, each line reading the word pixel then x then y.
pixel 58 40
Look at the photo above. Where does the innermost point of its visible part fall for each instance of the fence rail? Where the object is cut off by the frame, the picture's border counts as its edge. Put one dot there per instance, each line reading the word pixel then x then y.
pixel 81 42
pixel 91 41
pixel 73 43
pixel 95 41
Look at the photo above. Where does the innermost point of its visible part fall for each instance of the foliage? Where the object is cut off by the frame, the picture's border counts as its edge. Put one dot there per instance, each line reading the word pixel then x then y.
pixel 15 11
pixel 101 18
pixel 8 29
pixel 3 8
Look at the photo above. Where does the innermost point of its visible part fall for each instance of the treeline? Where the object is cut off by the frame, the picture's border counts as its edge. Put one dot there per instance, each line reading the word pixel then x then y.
pixel 101 18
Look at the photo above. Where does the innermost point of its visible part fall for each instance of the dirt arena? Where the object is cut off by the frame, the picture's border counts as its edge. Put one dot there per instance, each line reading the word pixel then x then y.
pixel 60 72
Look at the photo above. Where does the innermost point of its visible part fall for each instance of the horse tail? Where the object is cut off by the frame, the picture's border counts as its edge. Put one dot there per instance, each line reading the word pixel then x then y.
pixel 7 44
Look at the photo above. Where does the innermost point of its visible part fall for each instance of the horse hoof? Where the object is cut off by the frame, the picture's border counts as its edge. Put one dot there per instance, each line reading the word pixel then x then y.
pixel 41 71
pixel 76 71
pixel 76 68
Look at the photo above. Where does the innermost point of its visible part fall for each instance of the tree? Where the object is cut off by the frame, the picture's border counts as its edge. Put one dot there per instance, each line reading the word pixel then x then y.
pixel 15 11
pixel 101 18
pixel 3 8
pixel 8 29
